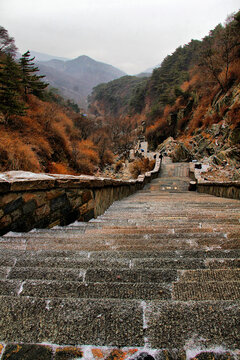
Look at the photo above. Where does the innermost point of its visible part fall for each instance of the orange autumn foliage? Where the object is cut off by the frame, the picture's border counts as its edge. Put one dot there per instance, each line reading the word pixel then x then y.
pixel 17 155
pixel 46 140
pixel 58 168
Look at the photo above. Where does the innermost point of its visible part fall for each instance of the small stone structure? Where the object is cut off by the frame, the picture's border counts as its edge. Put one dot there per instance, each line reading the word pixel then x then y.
pixel 30 200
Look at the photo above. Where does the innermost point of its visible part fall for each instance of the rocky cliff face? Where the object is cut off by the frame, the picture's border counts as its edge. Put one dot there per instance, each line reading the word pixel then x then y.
pixel 216 144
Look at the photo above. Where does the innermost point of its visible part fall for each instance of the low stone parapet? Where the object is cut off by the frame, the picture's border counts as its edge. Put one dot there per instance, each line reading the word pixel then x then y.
pixel 227 189
pixel 222 189
pixel 29 200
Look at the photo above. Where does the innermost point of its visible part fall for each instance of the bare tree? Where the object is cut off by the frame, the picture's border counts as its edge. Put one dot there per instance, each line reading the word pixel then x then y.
pixel 7 44
pixel 219 50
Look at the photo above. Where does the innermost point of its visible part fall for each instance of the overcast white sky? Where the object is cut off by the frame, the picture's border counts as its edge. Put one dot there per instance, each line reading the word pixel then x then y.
pixel 132 35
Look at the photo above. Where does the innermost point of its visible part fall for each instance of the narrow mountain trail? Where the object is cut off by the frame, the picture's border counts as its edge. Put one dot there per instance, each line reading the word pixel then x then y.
pixel 155 277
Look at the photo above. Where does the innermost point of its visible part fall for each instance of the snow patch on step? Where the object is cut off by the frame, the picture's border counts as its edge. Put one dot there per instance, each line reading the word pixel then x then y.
pixel 147 344
pixel 48 305
pixel 196 345
pixel 219 350
pixel 82 273
pixel 21 288
pixel 13 234
pixel 144 307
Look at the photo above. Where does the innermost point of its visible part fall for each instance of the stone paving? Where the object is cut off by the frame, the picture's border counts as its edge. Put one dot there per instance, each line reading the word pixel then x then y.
pixel 155 277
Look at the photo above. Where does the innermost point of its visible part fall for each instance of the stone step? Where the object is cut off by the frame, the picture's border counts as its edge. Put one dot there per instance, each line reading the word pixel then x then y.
pixel 74 289
pixel 71 321
pixel 189 263
pixel 117 322
pixel 9 256
pixel 109 245
pixel 75 263
pixel 205 275
pixel 94 275
pixel 169 233
pixel 210 290
pixel 101 234
pixel 182 291
pixel 177 323
pixel 126 244
pixel 44 273
pixel 150 263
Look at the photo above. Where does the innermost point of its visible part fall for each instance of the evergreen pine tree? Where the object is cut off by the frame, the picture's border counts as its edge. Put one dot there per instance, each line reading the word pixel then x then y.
pixel 10 98
pixel 31 82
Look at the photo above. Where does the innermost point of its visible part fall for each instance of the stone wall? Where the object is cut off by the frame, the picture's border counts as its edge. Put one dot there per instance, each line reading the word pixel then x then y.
pixel 222 189
pixel 30 200
pixel 229 189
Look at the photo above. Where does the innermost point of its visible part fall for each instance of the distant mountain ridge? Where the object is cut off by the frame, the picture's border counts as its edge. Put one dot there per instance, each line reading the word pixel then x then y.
pixel 46 57
pixel 76 78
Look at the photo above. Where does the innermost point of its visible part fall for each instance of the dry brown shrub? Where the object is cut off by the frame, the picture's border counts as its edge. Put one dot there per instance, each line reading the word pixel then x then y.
pixel 60 138
pixel 181 124
pixel 85 166
pixel 89 150
pixel 197 120
pixel 119 165
pixel 140 166
pixel 167 111
pixel 158 126
pixel 234 114
pixel 108 157
pixel 58 168
pixel 16 155
pixel 211 119
pixel 86 157
pixel 234 70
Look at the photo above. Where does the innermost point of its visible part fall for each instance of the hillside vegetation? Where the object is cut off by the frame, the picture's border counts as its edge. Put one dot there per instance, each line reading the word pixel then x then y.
pixel 193 98
pixel 40 131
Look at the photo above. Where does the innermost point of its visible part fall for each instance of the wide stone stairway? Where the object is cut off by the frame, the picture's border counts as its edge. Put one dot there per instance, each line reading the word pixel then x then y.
pixel 155 277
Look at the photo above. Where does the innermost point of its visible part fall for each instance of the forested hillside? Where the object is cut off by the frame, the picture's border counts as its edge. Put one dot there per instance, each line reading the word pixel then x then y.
pixel 193 97
pixel 40 131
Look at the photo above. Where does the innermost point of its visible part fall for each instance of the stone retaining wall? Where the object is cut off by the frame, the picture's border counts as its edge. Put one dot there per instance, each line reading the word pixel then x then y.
pixel 30 200
pixel 222 189
pixel 229 189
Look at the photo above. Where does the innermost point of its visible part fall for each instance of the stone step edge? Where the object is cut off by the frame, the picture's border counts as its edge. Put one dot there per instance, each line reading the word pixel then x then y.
pixel 106 352
pixel 166 285
pixel 21 254
pixel 166 291
pixel 121 301
pixel 132 268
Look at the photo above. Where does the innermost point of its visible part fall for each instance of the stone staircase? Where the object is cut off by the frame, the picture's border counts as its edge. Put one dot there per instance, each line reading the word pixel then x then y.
pixel 155 277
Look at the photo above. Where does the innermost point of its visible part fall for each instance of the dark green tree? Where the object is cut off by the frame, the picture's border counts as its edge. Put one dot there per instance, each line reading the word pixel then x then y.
pixel 31 83
pixel 10 84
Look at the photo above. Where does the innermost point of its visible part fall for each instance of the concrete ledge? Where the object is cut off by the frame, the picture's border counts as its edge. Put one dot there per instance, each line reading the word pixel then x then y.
pixel 29 200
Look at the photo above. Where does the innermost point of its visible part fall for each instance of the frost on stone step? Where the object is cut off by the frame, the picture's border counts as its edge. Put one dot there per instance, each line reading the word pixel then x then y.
pixel 82 274
pixel 48 305
pixel 21 288
pixel 13 234
pixel 193 352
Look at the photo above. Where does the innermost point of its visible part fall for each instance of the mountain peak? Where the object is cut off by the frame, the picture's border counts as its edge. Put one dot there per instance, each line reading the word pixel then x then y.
pixel 76 78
